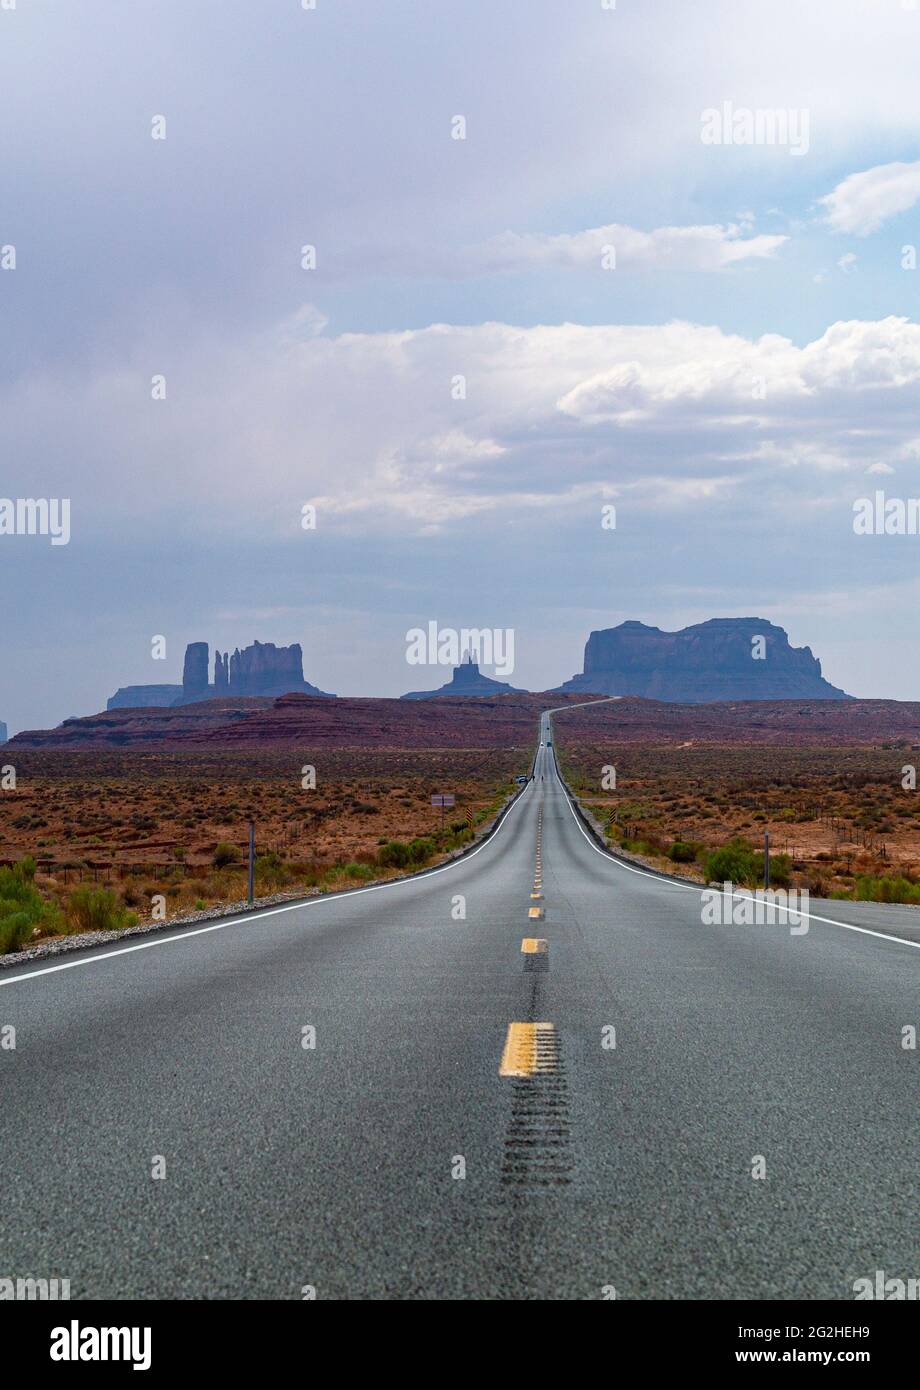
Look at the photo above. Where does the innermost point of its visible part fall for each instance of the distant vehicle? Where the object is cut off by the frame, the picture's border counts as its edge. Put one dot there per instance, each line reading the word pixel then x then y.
pixel 549 743
pixel 520 780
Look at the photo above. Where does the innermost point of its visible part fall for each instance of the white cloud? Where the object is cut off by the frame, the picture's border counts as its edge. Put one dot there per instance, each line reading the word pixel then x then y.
pixel 863 202
pixel 367 426
pixel 704 248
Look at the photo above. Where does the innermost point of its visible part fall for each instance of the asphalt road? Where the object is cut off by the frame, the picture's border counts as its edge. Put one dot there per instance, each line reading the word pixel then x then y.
pixel 334 1166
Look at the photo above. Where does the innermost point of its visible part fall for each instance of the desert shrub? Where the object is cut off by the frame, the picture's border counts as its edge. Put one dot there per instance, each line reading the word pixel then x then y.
pixel 360 871
pixel 682 852
pixel 97 909
pixel 735 862
pixel 396 855
pixel 16 931
pixel 393 855
pixel 23 909
pixel 199 904
pixel 780 870
pixel 271 871
pixel 225 855
pixel 20 876
pixel 897 889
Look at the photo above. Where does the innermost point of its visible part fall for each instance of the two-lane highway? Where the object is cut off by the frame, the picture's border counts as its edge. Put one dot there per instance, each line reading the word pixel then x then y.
pixel 173 1126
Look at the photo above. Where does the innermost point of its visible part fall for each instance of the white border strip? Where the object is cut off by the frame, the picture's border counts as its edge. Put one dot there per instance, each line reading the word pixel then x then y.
pixel 164 940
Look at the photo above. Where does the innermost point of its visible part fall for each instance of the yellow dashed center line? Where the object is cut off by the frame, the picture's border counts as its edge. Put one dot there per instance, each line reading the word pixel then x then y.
pixel 529 1048
pixel 533 946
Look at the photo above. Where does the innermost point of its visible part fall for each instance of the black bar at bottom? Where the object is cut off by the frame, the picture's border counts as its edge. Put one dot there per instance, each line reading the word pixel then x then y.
pixel 217 1337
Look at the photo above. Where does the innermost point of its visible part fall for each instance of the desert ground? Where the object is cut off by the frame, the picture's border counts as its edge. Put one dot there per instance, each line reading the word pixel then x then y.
pixel 137 825
pixel 841 815
pixel 129 814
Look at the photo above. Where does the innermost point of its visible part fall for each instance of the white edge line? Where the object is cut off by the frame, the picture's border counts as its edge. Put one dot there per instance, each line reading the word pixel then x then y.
pixel 165 940
pixel 669 883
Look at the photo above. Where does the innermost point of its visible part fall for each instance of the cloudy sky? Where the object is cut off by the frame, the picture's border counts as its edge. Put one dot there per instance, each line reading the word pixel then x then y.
pixel 584 301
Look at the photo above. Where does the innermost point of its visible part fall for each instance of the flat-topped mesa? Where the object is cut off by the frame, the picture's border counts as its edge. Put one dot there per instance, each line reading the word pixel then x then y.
pixel 145 696
pixel 722 659
pixel 3 732
pixel 468 680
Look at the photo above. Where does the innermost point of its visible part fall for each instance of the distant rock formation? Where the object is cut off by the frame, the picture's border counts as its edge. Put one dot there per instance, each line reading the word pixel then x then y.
pixel 4 735
pixel 715 660
pixel 195 673
pixel 466 680
pixel 221 673
pixel 261 669
pixel 144 696
pixel 264 669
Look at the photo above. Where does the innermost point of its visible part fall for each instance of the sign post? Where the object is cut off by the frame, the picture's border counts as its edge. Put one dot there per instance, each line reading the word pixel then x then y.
pixel 766 859
pixel 442 800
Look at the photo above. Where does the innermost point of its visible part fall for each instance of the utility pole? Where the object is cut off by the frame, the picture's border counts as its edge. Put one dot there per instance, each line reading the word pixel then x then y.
pixel 252 861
